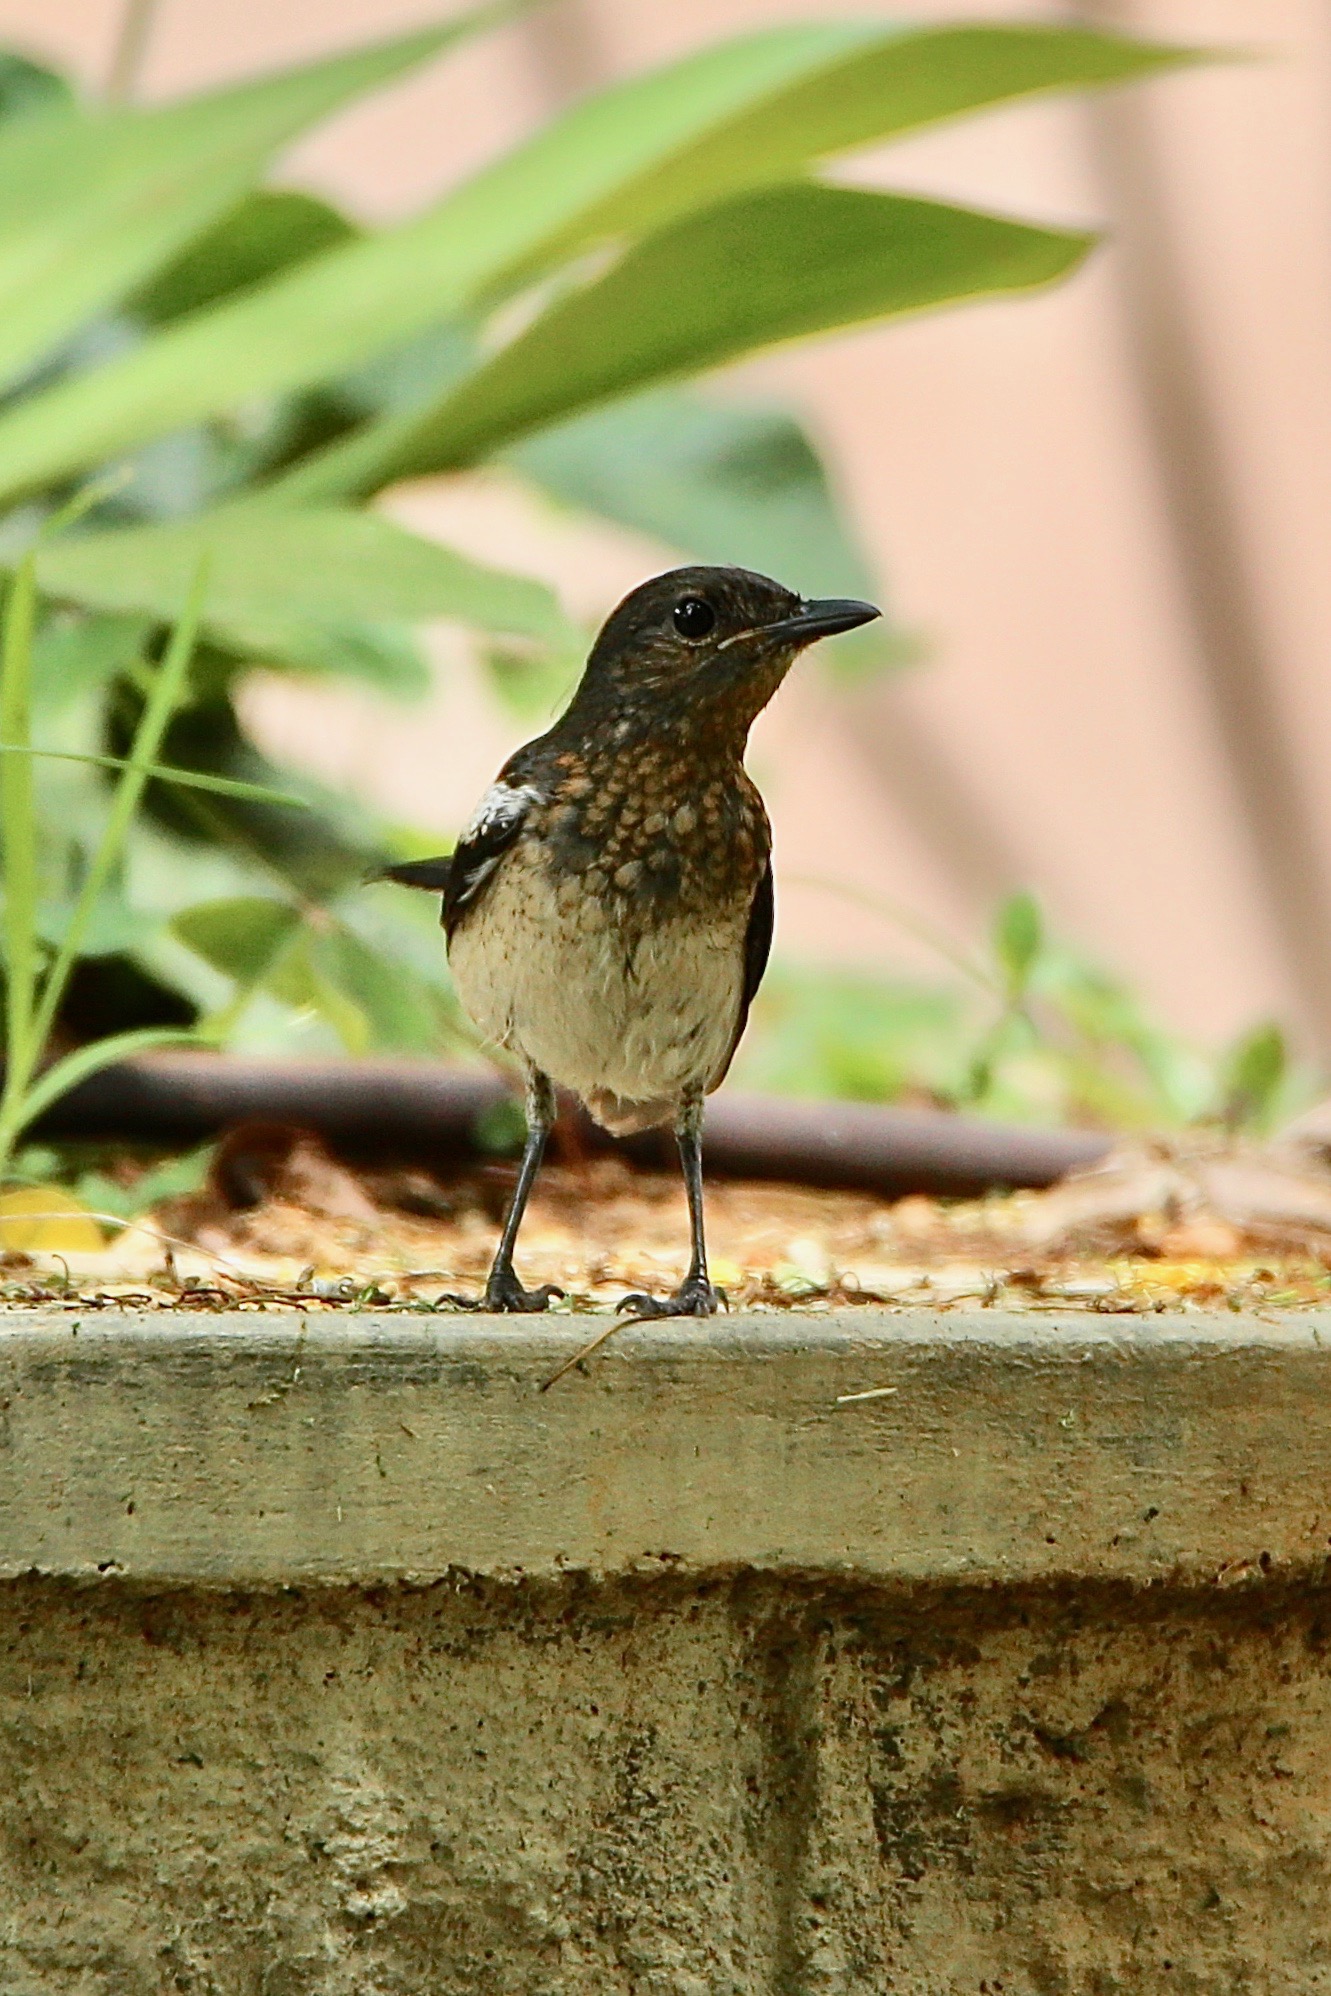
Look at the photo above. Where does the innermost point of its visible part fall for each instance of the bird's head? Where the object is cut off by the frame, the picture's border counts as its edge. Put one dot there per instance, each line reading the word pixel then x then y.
pixel 705 644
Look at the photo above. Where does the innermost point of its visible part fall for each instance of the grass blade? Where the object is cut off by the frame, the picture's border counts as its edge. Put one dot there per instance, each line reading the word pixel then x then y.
pixel 18 827
pixel 165 772
pixel 167 690
pixel 67 1073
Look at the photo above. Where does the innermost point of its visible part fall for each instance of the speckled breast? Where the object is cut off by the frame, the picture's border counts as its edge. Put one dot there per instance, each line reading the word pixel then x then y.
pixel 657 830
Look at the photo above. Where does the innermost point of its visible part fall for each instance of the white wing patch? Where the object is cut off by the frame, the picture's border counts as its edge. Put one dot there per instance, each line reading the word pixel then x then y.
pixel 501 807
pixel 493 827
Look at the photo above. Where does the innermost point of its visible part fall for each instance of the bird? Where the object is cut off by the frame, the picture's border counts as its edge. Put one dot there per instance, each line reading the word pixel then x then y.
pixel 608 909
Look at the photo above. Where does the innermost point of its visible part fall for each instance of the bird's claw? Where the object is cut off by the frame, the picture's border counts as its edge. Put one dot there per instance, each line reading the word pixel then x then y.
pixel 696 1297
pixel 505 1296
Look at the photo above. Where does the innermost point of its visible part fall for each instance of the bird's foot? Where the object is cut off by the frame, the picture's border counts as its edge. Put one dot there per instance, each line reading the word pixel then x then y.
pixel 505 1296
pixel 695 1297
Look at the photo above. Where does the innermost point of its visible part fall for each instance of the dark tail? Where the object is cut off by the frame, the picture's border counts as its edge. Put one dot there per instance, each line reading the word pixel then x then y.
pixel 432 874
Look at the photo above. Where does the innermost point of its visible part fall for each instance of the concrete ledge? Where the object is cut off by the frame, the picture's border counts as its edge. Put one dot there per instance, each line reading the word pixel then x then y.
pixel 269 1450
pixel 337 1660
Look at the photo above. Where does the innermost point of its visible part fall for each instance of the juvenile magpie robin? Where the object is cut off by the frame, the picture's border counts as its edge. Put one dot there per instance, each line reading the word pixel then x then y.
pixel 609 907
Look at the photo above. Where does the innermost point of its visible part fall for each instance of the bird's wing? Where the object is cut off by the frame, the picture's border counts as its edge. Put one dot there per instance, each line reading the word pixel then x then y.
pixel 494 829
pixel 461 874
pixel 757 949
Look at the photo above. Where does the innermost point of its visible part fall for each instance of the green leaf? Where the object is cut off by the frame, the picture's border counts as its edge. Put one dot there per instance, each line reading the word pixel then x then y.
pixel 65 1074
pixel 274 575
pixel 753 112
pixel 396 1013
pixel 300 979
pixel 75 655
pixel 115 928
pixel 27 86
pixel 1257 1070
pixel 533 686
pixel 384 655
pixel 640 154
pixel 768 267
pixel 241 937
pixel 1018 940
pixel 267 231
pixel 722 482
pixel 91 202
pixel 317 851
pixel 173 1178
pixel 849 1034
pixel 315 964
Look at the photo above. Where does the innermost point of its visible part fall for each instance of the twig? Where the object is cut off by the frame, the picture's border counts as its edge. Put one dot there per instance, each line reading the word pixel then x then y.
pixel 594 1344
pixel 873 1393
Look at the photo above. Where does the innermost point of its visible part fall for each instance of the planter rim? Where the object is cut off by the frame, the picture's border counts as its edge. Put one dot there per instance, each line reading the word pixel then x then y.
pixel 246 1450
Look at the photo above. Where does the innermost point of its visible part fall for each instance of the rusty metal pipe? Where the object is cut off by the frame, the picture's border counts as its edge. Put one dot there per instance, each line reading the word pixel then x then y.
pixel 430 1113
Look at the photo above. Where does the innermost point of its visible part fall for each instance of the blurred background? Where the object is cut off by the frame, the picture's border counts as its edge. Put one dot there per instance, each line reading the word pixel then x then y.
pixel 1096 513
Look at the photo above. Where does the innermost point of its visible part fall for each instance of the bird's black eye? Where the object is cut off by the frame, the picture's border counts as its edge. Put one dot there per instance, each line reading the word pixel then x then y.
pixel 694 617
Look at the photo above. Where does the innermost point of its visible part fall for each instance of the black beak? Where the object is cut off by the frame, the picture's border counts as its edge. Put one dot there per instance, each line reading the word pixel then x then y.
pixel 825 617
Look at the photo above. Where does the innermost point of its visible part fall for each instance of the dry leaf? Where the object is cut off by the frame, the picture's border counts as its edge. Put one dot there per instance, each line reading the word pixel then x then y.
pixel 41 1219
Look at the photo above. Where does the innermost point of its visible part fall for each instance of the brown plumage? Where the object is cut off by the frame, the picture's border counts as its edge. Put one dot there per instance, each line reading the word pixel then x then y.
pixel 609 908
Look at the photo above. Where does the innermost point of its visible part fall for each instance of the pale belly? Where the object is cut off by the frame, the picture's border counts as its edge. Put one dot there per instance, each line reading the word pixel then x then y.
pixel 632 1024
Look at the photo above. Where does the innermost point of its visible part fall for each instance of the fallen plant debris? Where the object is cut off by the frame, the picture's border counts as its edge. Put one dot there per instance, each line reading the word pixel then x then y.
pixel 1196 1220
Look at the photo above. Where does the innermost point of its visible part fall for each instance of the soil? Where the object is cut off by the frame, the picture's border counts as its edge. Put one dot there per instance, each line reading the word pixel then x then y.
pixel 1160 1226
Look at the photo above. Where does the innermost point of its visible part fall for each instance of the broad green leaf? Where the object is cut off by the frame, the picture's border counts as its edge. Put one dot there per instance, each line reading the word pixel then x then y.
pixel 370 1000
pixel 300 979
pixel 751 113
pixel 534 687
pixel 624 159
pixel 174 1178
pixel 846 1033
pixel 384 655
pixel 393 1006
pixel 778 265
pixel 268 230
pixel 115 928
pixel 91 202
pixel 75 655
pixel 317 851
pixel 27 86
pixel 241 937
pixel 720 481
pixel 274 574
pixel 724 482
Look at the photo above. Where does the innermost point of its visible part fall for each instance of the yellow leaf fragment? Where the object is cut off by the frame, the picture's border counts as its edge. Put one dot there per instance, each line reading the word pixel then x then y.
pixel 41 1219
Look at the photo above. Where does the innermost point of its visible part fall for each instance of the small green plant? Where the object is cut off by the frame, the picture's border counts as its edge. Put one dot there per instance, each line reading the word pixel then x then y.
pixel 38 965
pixel 1032 1032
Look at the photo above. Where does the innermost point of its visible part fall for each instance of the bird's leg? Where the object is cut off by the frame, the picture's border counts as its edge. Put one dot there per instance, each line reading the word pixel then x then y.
pixel 695 1296
pixel 503 1291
